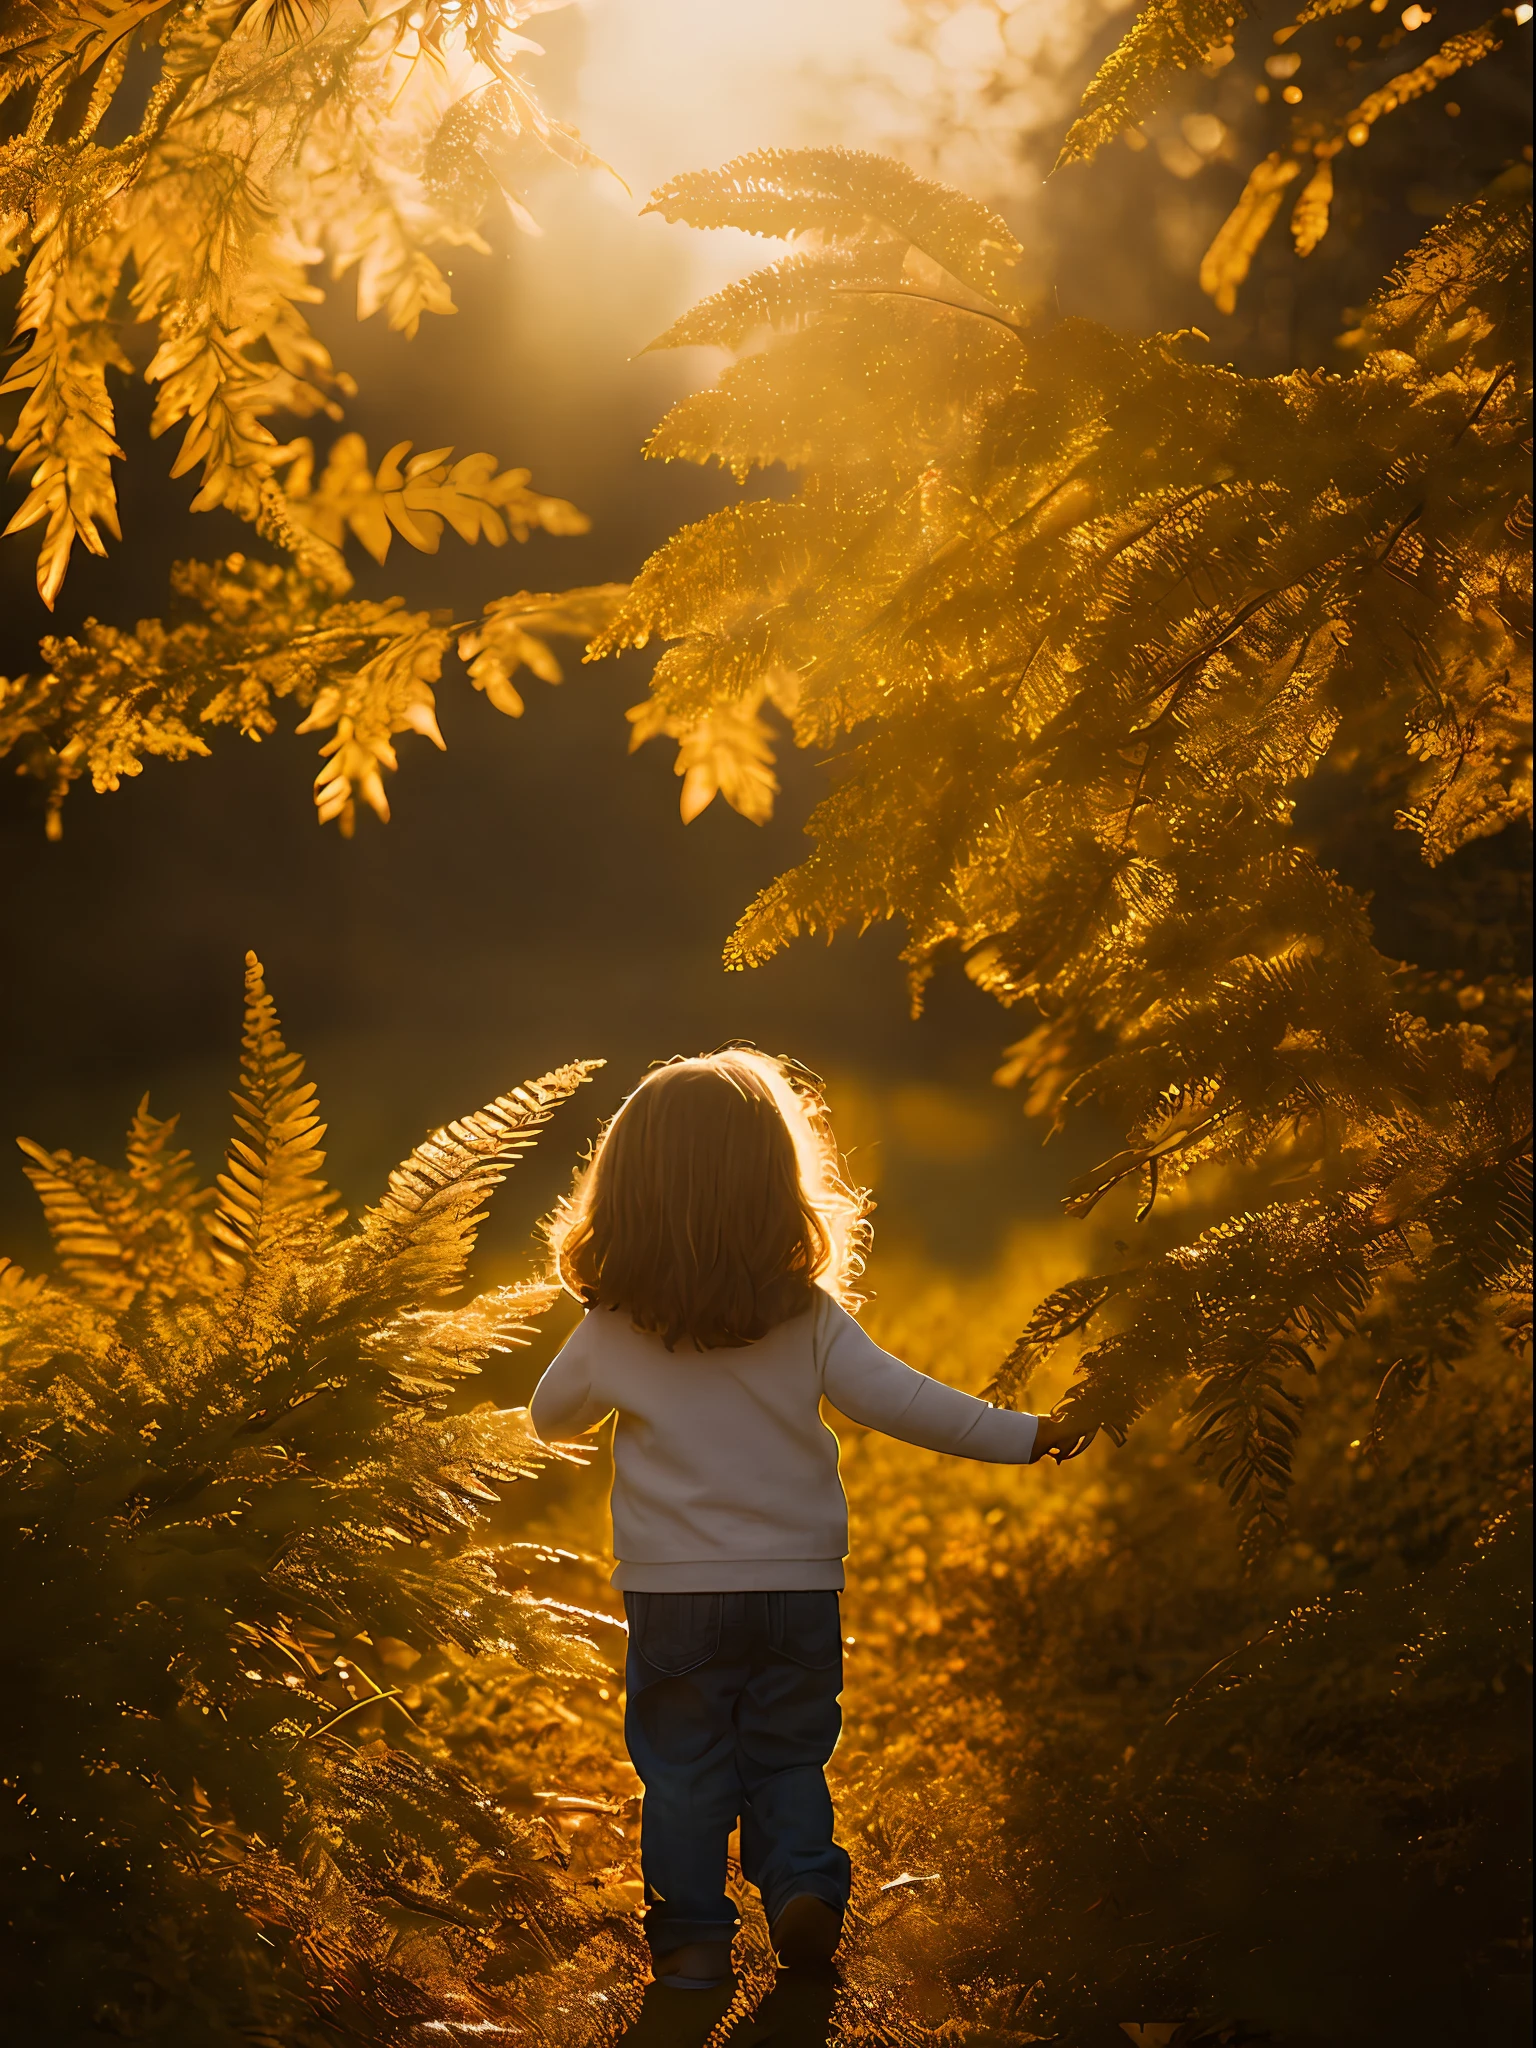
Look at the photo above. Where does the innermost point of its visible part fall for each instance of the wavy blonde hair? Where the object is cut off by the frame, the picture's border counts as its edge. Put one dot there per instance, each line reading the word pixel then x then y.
pixel 714 1203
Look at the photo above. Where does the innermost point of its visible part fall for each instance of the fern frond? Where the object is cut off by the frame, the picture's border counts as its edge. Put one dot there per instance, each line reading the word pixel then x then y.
pixel 390 693
pixel 250 635
pixel 1246 1422
pixel 1453 55
pixel 88 1210
pixel 278 1491
pixel 1167 37
pixel 416 496
pixel 1082 615
pixel 272 1197
pixel 1312 211
pixel 846 195
pixel 65 435
pixel 1061 1315
pixel 1227 261
pixel 119 1234
pixel 170 1252
pixel 434 1347
pixel 417 1238
pixel 781 296
pixel 165 1178
pixel 1465 289
pixel 727 752
pixel 515 633
pixel 273 137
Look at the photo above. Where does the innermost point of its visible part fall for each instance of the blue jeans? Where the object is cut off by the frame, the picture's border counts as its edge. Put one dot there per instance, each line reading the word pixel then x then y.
pixel 732 1714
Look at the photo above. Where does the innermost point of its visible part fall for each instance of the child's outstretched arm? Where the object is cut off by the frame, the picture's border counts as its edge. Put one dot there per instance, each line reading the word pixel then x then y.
pixel 868 1385
pixel 564 1404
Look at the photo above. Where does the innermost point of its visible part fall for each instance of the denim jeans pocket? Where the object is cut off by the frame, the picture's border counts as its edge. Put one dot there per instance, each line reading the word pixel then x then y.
pixel 807 1628
pixel 675 1632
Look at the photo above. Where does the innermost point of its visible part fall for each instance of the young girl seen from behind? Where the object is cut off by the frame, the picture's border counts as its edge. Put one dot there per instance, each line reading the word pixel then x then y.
pixel 713 1241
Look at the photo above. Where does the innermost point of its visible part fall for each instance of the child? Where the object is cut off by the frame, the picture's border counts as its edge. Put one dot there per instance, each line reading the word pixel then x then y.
pixel 710 1238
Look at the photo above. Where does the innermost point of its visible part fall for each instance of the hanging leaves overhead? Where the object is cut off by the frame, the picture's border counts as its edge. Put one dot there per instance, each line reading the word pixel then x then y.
pixel 1081 616
pixel 256 144
pixel 1333 87
pixel 261 147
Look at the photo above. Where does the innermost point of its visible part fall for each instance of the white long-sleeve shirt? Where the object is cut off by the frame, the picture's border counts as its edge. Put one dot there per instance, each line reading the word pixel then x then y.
pixel 725 1476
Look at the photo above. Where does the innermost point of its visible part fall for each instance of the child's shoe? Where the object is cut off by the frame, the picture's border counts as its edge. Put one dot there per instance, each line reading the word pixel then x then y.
pixel 696 1966
pixel 806 1933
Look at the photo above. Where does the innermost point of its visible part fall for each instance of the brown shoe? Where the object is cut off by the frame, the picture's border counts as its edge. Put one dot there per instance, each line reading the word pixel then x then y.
pixel 806 1933
pixel 696 1966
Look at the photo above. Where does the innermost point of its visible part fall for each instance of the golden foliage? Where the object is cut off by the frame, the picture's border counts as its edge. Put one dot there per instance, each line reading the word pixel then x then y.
pixel 1453 55
pixel 418 1236
pixel 515 632
pixel 849 197
pixel 271 1193
pixel 1173 36
pixel 269 139
pixel 1167 36
pixel 1309 219
pixel 277 138
pixel 1226 263
pixel 1082 614
pixel 243 1494
pixel 120 1235
pixel 727 752
pixel 416 496
pixel 250 636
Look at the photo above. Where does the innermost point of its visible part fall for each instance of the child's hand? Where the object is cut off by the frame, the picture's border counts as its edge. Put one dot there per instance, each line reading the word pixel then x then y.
pixel 1060 1438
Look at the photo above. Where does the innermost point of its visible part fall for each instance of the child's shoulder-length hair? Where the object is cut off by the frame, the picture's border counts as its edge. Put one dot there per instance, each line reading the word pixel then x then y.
pixel 713 1204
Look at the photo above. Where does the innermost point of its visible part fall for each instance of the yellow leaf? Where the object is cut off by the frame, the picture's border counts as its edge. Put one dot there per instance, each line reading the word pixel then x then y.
pixel 1226 262
pixel 510 636
pixel 202 227
pixel 1309 220
pixel 728 753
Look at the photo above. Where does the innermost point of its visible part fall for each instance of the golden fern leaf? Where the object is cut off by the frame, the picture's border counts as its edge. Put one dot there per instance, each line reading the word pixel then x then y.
pixel 416 496
pixel 1092 615
pixel 418 1237
pixel 847 195
pixel 1479 258
pixel 240 176
pixel 19 1289
pixel 728 752
pixel 117 1234
pixel 514 633
pixel 701 574
pixel 108 698
pixel 1453 55
pixel 1168 36
pixel 271 1193
pixel 250 635
pixel 169 1248
pixel 390 693
pixel 88 1210
pixel 1228 260
pixel 436 1346
pixel 1309 216
pixel 743 423
pixel 782 295
pixel 165 1177
pixel 65 436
